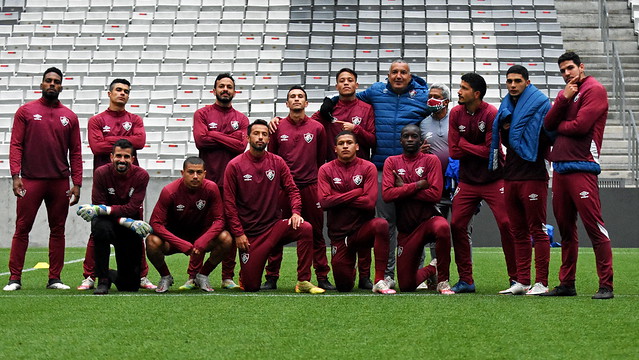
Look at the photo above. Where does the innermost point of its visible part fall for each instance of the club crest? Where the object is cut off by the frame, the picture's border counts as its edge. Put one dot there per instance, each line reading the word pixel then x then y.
pixel 333 250
pixel 245 258
pixel 308 137
pixel 576 98
pixel 356 120
pixel 200 204
pixel 357 179
pixel 482 126
pixel 64 120
pixel 235 124
pixel 419 171
pixel 412 93
pixel 270 174
pixel 400 251
pixel 127 125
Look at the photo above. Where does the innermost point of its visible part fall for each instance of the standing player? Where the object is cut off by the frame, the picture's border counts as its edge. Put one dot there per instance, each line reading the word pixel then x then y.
pixel 348 191
pixel 252 182
pixel 301 142
pixel 413 181
pixel 118 193
pixel 519 126
pixel 579 117
pixel 469 139
pixel 189 218
pixel 44 133
pixel 219 132
pixel 104 130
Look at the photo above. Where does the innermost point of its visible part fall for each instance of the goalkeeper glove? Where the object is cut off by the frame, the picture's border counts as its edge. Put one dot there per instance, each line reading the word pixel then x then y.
pixel 88 212
pixel 140 227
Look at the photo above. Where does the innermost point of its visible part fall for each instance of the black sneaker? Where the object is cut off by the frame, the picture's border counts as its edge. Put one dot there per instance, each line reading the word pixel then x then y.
pixel 365 283
pixel 603 293
pixel 561 290
pixel 269 284
pixel 103 287
pixel 325 284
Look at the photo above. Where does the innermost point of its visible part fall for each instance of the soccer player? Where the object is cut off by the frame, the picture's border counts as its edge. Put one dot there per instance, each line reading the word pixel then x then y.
pixel 519 127
pixel 117 196
pixel 219 132
pixel 469 138
pixel 104 129
pixel 301 142
pixel 579 117
pixel 413 181
pixel 348 191
pixel 189 218
pixel 44 133
pixel 252 182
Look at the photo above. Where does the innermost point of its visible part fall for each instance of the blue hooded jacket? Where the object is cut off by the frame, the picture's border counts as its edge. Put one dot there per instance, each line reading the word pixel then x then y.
pixel 393 112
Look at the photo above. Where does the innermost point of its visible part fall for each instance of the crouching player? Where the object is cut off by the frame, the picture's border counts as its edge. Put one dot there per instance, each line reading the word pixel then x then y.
pixel 413 180
pixel 118 193
pixel 252 183
pixel 189 218
pixel 348 192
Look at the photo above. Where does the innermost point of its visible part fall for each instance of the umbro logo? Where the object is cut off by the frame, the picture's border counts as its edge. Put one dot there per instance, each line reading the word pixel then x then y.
pixel 106 129
pixel 584 194
pixel 284 137
pixel 401 172
pixel 337 181
pixel 37 117
pixel 533 197
pixel 248 177
pixel 212 125
pixel 180 207
pixel 111 191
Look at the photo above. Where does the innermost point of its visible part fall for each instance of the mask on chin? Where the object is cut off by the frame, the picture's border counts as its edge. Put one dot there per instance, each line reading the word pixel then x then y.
pixel 434 105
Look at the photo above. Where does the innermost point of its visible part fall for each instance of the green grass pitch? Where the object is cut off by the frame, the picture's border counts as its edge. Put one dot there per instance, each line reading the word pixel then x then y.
pixel 51 324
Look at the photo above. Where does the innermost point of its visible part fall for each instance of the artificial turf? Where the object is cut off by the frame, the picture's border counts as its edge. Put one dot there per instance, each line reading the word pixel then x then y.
pixel 56 324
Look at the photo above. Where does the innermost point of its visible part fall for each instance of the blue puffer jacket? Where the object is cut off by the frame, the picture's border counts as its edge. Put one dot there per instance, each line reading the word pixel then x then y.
pixel 393 112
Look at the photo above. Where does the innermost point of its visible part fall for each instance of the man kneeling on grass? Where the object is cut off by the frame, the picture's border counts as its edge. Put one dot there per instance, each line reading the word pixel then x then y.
pixel 189 218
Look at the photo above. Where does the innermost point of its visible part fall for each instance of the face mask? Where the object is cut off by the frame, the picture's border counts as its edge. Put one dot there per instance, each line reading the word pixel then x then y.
pixel 434 105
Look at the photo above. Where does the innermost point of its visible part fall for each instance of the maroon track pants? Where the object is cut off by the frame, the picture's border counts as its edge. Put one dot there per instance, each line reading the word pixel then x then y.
pixel 89 261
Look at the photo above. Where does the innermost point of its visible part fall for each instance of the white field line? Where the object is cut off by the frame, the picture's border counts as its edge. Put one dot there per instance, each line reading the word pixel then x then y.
pixel 33 269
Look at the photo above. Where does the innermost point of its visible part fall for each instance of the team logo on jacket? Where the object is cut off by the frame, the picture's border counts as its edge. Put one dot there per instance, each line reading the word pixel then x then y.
pixel 482 126
pixel 248 177
pixel 200 204
pixel 235 124
pixel 576 98
pixel 356 120
pixel 401 172
pixel 337 181
pixel 180 207
pixel 584 194
pixel 37 117
pixel 284 137
pixel 106 129
pixel 131 190
pixel 270 174
pixel 64 120
pixel 462 128
pixel 533 197
pixel 419 171
pixel 127 125
pixel 111 191
pixel 308 137
pixel 501 190
pixel 400 251
pixel 333 250
pixel 212 125
pixel 357 179
pixel 245 258
pixel 412 93
pixel 429 135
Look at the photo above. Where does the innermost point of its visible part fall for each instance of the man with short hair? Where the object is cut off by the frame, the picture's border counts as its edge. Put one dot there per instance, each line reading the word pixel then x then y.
pixel 413 181
pixel 44 133
pixel 469 138
pixel 578 116
pixel 252 183
pixel 348 191
pixel 219 132
pixel 189 218
pixel 301 142
pixel 117 196
pixel 519 126
pixel 103 130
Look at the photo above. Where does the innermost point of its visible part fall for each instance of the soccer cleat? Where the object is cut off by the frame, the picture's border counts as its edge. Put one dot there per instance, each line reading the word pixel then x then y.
pixel 326 285
pixel 103 287
pixel 57 284
pixel 422 286
pixel 365 283
pixel 308 287
pixel 389 280
pixel 86 284
pixel 202 281
pixel 561 290
pixel 229 284
pixel 603 294
pixel 164 284
pixel 145 283
pixel 516 289
pixel 463 287
pixel 444 288
pixel 381 287
pixel 13 285
pixel 537 289
pixel 269 284
pixel 188 285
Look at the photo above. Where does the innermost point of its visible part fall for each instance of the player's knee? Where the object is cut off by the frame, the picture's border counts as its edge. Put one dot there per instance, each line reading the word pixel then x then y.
pixel 225 239
pixel 380 225
pixel 153 242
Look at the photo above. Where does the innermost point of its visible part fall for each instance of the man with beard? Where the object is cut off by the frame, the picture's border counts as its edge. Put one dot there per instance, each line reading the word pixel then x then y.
pixel 220 134
pixel 252 183
pixel 104 130
pixel 118 193
pixel 44 133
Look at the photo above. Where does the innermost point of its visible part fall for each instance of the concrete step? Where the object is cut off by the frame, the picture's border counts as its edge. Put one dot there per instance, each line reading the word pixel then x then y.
pixel 614 147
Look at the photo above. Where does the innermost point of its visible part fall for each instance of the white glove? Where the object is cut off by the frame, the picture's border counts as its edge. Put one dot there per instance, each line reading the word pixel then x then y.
pixel 88 212
pixel 140 227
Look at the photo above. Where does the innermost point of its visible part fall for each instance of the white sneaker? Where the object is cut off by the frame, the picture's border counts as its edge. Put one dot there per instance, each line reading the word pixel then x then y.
pixel 202 281
pixel 422 286
pixel 145 283
pixel 537 289
pixel 516 289
pixel 382 288
pixel 58 285
pixel 164 284
pixel 229 284
pixel 389 280
pixel 444 288
pixel 86 284
pixel 12 286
